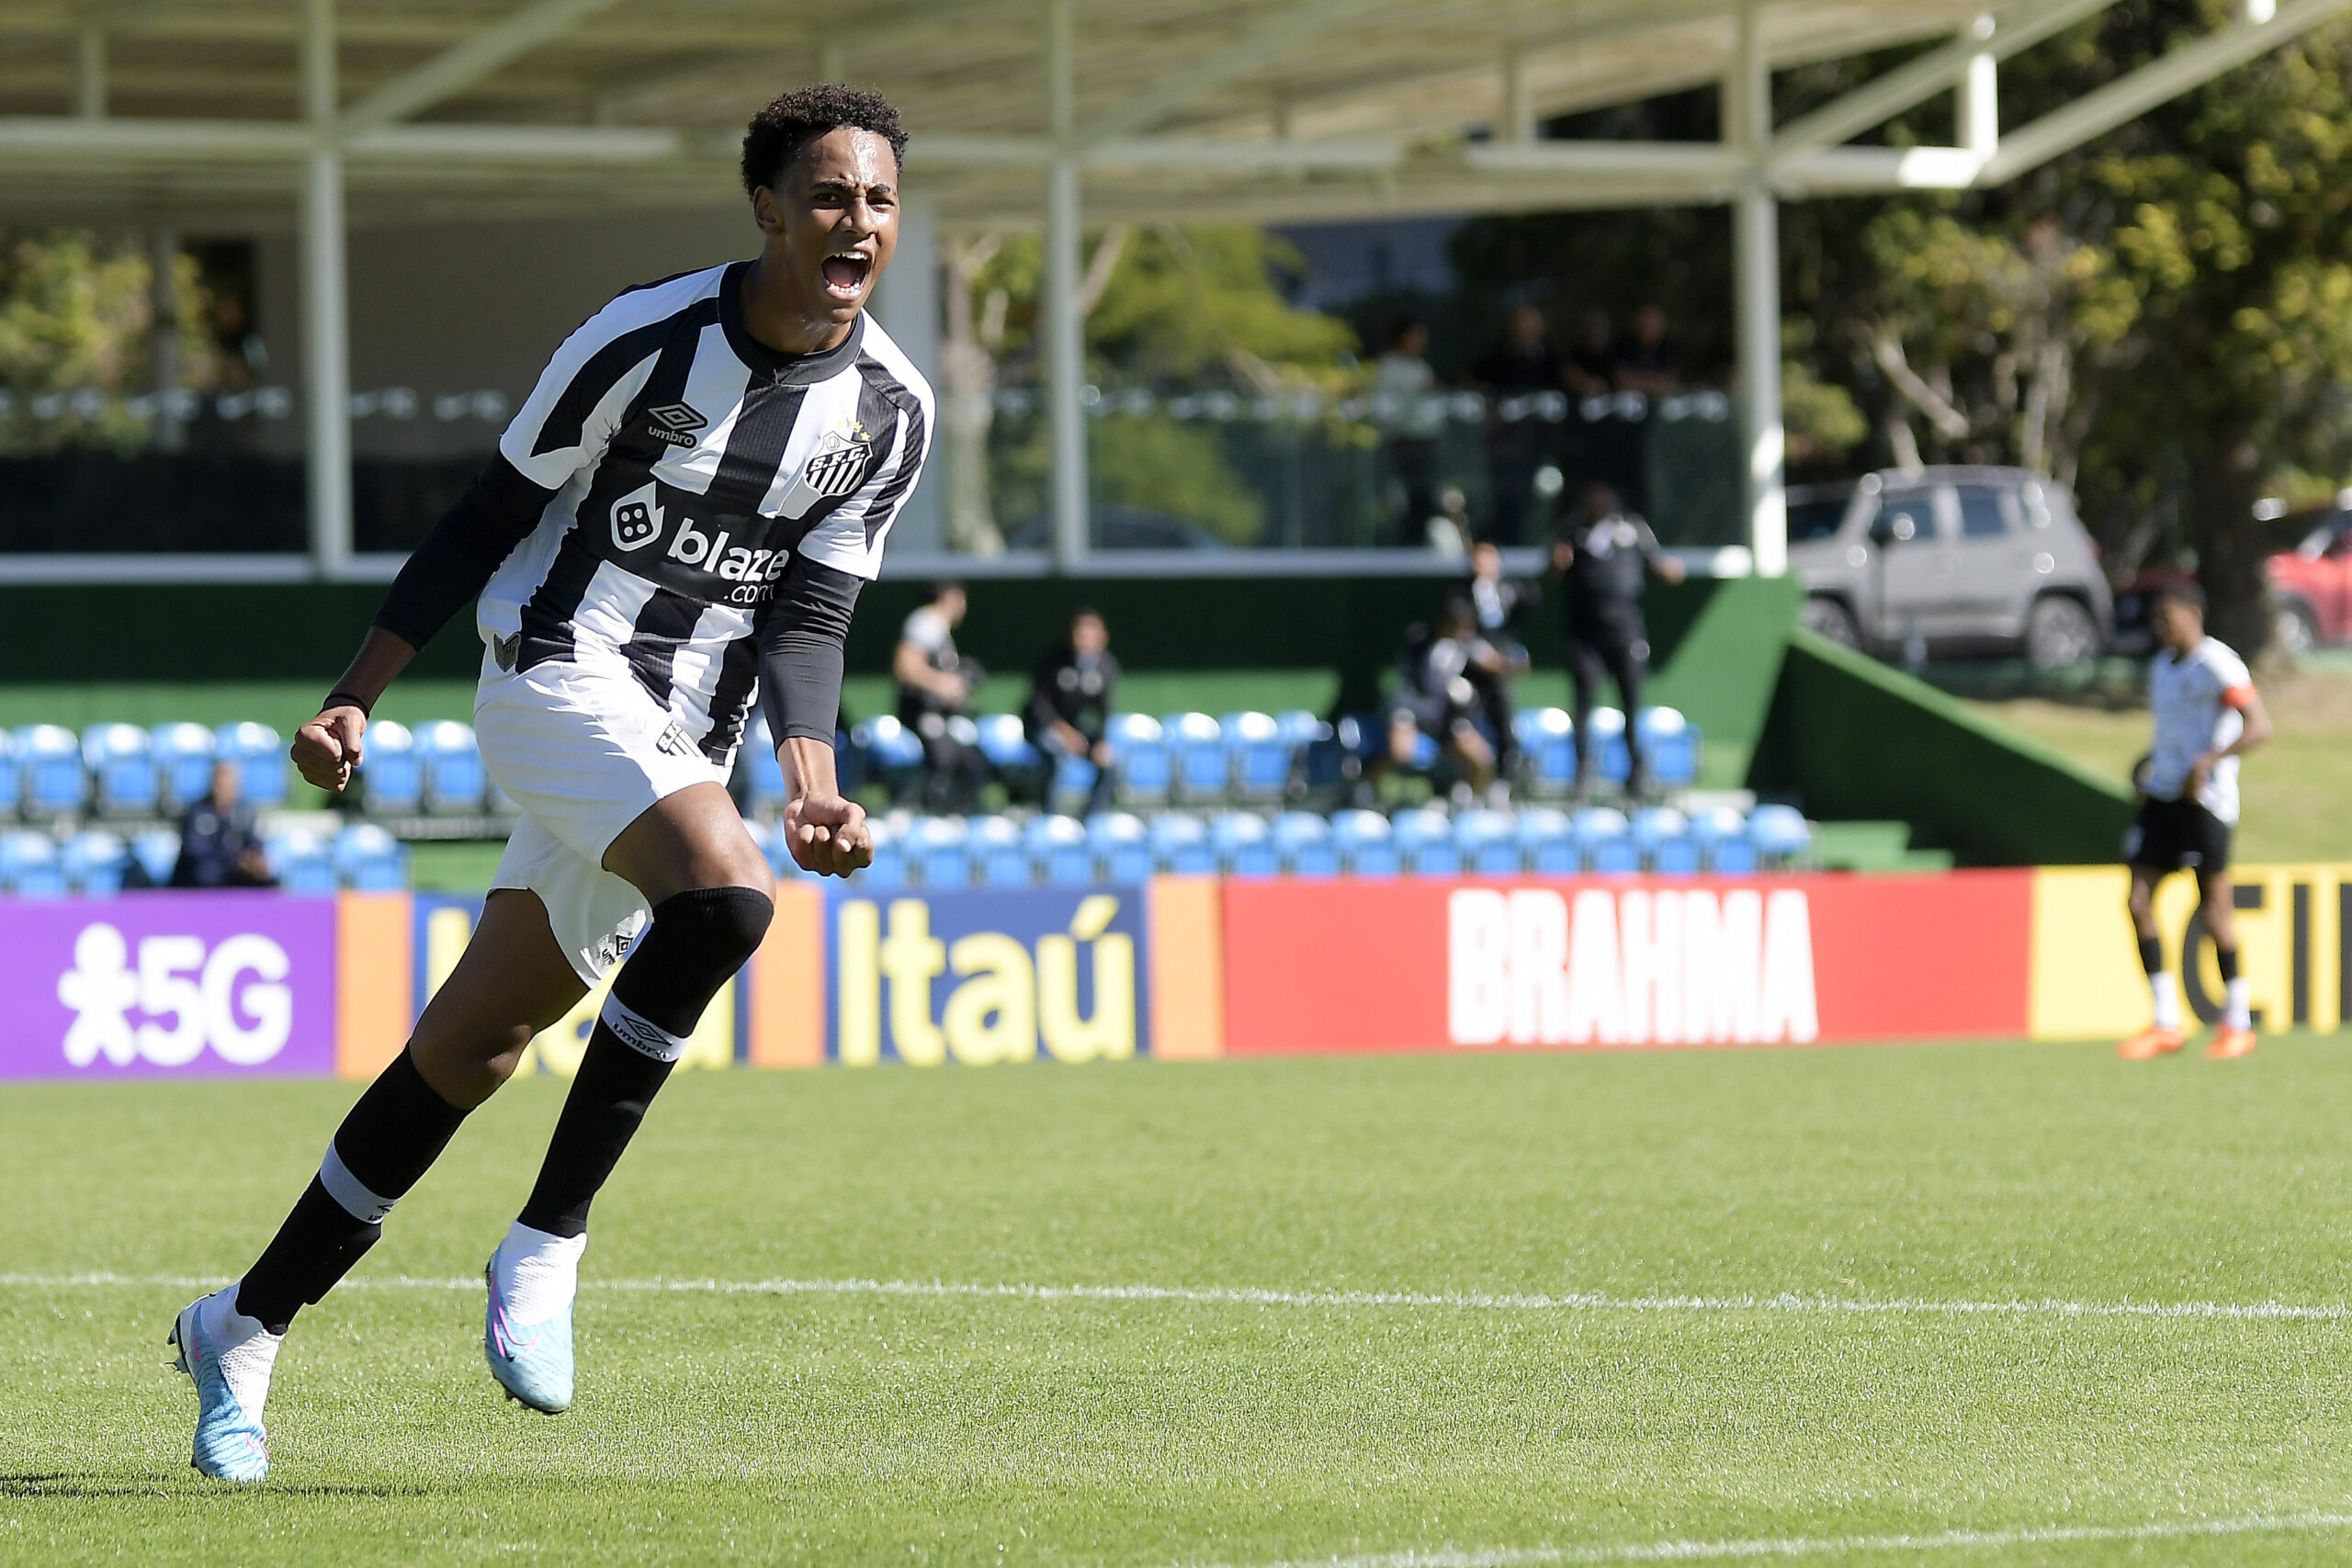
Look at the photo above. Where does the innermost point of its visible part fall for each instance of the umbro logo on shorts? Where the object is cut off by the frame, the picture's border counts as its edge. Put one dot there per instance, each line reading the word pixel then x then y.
pixel 674 423
pixel 504 649
pixel 840 462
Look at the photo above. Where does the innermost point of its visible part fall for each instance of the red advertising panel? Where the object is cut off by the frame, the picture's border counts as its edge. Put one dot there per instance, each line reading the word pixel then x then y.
pixel 1607 963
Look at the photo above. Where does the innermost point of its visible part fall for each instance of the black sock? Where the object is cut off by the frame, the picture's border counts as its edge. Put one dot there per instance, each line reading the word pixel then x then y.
pixel 696 940
pixel 2152 955
pixel 391 1137
pixel 2227 958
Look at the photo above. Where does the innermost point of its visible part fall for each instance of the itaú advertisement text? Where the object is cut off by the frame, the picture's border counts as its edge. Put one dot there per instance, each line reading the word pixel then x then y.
pixel 1412 965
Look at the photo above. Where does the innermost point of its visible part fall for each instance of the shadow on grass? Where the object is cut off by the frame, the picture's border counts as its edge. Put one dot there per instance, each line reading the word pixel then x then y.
pixel 64 1484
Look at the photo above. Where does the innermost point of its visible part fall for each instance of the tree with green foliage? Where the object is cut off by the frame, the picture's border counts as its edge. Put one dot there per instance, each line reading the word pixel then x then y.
pixel 1167 309
pixel 77 331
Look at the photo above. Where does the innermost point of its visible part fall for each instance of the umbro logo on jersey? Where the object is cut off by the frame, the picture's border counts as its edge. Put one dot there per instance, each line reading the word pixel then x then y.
pixel 674 423
pixel 840 462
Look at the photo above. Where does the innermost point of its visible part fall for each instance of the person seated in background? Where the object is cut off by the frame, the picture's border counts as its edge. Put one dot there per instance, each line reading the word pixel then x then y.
pixel 935 685
pixel 1446 703
pixel 217 844
pixel 1069 713
pixel 1649 363
pixel 1499 604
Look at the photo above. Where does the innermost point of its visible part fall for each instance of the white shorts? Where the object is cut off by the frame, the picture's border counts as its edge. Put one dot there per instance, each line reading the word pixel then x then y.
pixel 584 750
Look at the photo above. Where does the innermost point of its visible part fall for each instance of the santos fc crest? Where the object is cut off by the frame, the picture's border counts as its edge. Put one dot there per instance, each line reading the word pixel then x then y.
pixel 843 461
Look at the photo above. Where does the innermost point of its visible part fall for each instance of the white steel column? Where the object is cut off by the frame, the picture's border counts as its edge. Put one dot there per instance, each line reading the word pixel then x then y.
pixel 90 71
pixel 326 326
pixel 1756 248
pixel 1065 331
pixel 908 308
pixel 1979 101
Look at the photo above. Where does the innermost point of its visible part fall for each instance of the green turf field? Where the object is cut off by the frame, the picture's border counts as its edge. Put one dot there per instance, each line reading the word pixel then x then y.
pixel 1662 1307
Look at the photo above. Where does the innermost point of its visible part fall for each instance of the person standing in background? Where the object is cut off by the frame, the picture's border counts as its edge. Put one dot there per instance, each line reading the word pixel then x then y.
pixel 1516 371
pixel 1068 713
pixel 1499 604
pixel 1411 417
pixel 935 686
pixel 1606 555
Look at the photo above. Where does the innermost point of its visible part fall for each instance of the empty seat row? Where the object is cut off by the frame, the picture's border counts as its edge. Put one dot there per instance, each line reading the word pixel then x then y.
pixel 1001 852
pixel 121 770
pixel 97 863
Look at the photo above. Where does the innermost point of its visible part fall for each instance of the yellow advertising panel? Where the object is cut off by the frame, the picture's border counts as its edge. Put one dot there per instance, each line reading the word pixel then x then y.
pixel 2087 982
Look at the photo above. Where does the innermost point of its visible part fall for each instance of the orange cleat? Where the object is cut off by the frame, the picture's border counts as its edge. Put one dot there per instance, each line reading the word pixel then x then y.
pixel 2230 1043
pixel 2152 1043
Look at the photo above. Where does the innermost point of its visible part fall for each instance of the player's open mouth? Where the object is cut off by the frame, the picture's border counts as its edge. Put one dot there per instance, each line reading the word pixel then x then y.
pixel 845 275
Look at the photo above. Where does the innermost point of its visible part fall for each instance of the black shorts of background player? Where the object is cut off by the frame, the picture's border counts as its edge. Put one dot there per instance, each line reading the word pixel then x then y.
pixel 1606 555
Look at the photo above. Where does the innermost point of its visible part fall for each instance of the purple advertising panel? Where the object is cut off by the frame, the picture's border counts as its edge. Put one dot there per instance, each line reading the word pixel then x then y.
pixel 161 985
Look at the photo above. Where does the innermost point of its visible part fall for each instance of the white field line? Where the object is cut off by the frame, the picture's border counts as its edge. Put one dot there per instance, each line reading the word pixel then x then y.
pixel 1829 1546
pixel 1213 1295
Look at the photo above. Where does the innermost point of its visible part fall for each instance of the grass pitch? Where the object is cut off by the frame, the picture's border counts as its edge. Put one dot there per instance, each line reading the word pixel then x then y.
pixel 1556 1309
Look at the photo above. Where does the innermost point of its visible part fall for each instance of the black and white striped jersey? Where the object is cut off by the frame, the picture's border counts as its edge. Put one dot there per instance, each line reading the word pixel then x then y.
pixel 690 463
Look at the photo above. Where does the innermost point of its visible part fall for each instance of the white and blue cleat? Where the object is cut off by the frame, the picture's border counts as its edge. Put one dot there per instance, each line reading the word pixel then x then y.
pixel 231 1378
pixel 531 1362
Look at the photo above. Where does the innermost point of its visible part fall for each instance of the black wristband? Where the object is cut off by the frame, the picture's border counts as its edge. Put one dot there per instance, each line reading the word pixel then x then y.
pixel 339 698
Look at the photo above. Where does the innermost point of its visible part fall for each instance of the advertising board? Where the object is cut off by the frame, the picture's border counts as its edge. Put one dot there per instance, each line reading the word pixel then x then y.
pixel 168 984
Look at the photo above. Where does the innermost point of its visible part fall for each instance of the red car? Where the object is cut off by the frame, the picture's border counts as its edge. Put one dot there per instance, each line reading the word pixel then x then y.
pixel 2310 586
pixel 2311 591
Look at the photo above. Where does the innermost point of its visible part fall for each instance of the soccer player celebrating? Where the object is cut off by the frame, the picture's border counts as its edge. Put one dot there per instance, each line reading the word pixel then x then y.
pixel 2207 716
pixel 681 514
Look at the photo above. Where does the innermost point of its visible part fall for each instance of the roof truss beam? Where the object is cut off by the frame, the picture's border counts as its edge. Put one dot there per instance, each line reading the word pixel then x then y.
pixel 456 69
pixel 1269 40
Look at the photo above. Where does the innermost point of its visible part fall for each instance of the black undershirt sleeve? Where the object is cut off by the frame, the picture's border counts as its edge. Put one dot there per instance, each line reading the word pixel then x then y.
pixel 800 650
pixel 497 513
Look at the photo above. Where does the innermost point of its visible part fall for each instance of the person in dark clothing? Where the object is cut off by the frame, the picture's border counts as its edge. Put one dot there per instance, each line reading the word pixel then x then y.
pixel 1520 368
pixel 1500 605
pixel 1069 701
pixel 1605 556
pixel 935 685
pixel 1649 363
pixel 1444 699
pixel 218 845
pixel 1590 365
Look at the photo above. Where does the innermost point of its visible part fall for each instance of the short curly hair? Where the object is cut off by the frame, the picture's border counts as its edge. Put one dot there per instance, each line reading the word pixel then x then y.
pixel 779 131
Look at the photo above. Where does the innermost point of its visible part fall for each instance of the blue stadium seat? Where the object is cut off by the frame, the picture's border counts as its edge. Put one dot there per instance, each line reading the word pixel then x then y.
pixel 1072 784
pixel 1017 764
pixel 259 752
pixel 1180 847
pixel 49 759
pixel 366 857
pixel 1202 767
pixel 1121 847
pixel 890 870
pixel 1780 835
pixel 1671 744
pixel 1547 741
pixel 303 866
pixel 11 780
pixel 1245 845
pixel 1664 839
pixel 121 761
pixel 1606 841
pixel 157 851
pixel 1424 841
pixel 997 857
pixel 1364 840
pixel 755 761
pixel 935 851
pixel 30 866
pixel 94 863
pixel 1611 758
pixel 1301 727
pixel 392 773
pixel 1547 842
pixel 1721 832
pixel 1141 757
pixel 1487 842
pixel 1059 852
pixel 1261 756
pixel 455 783
pixel 183 754
pixel 889 751
pixel 1303 842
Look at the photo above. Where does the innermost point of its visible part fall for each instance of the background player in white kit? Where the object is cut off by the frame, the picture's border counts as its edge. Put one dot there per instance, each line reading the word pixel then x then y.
pixel 2207 714
pixel 683 510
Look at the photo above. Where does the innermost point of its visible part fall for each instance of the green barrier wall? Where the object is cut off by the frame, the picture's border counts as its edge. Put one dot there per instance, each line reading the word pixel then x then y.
pixel 1851 739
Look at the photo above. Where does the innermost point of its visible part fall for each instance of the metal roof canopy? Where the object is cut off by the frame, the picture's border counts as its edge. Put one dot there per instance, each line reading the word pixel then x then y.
pixel 1026 112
